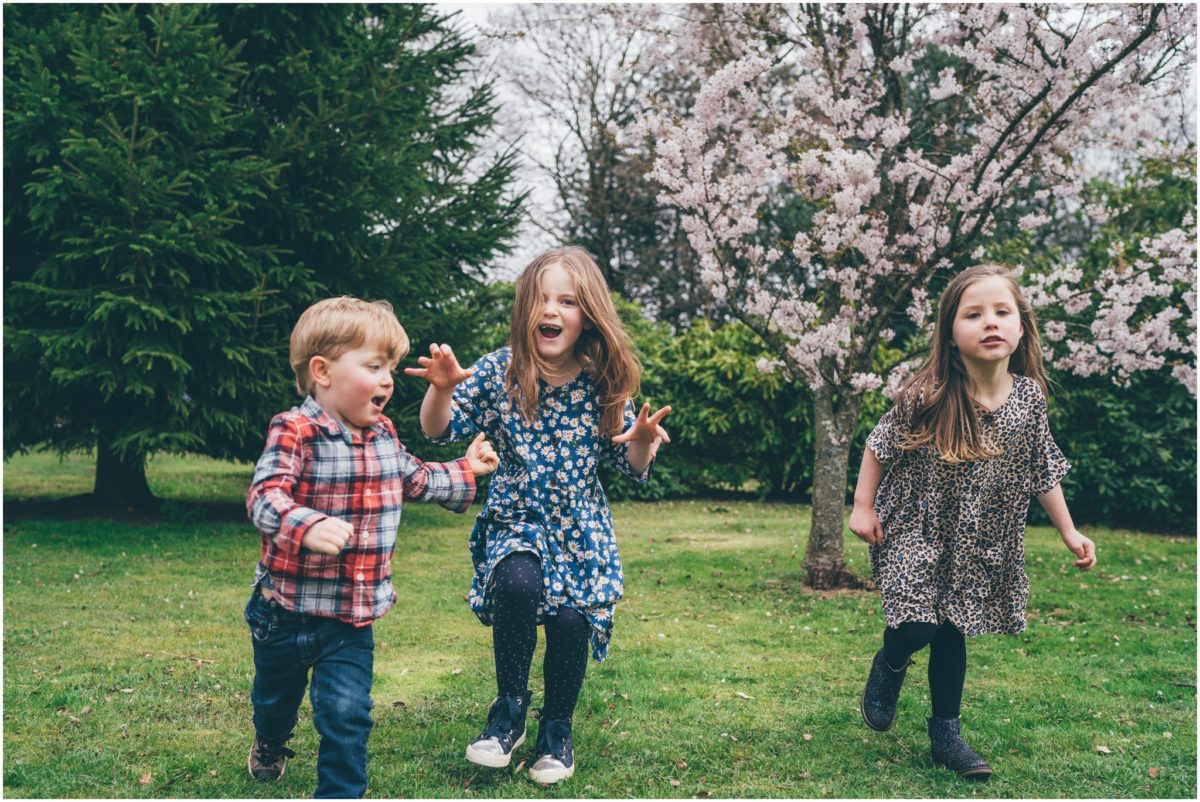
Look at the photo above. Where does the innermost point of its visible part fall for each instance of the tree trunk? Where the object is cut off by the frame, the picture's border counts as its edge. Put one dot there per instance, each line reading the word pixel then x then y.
pixel 835 417
pixel 121 481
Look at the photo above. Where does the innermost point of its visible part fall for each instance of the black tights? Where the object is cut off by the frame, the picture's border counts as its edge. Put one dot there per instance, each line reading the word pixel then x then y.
pixel 947 660
pixel 516 592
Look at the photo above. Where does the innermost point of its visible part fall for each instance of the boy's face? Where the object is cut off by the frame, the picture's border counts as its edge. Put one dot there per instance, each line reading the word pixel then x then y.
pixel 355 387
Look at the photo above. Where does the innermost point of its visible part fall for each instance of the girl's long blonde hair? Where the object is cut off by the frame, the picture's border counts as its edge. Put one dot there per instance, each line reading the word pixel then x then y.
pixel 604 350
pixel 935 404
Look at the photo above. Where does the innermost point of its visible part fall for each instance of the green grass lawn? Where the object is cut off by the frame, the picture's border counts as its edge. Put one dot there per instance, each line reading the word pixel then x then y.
pixel 127 664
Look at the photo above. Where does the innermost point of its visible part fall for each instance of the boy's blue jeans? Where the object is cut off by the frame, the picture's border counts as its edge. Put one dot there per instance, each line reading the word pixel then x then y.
pixel 341 656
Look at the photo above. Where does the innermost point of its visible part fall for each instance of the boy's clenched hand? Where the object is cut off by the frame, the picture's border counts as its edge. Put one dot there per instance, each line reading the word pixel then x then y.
pixel 482 456
pixel 328 536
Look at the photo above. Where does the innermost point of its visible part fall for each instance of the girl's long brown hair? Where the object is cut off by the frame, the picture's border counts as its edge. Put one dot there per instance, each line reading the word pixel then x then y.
pixel 604 350
pixel 935 404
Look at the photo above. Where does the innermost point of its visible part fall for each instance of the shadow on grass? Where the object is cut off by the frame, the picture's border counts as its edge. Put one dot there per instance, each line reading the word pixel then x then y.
pixel 88 505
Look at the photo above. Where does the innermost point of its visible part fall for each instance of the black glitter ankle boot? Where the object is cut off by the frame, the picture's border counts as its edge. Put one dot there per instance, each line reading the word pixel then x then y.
pixel 951 751
pixel 879 697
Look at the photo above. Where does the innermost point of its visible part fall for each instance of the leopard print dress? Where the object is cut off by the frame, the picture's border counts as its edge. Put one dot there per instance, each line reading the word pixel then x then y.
pixel 953 547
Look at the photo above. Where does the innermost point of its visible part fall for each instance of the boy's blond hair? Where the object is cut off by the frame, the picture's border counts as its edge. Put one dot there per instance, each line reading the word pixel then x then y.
pixel 334 326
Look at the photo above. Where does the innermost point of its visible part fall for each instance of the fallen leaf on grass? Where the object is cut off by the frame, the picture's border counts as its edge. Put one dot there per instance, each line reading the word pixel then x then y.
pixel 743 695
pixel 398 703
pixel 520 766
pixel 212 772
pixel 145 779
pixel 808 736
pixel 86 709
pixel 1153 772
pixel 456 672
pixel 604 751
pixel 674 782
pixel 127 690
pixel 1103 750
pixel 681 764
pixel 700 795
pixel 806 775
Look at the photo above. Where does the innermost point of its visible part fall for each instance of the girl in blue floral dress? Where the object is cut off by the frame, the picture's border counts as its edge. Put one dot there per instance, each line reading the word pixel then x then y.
pixel 555 403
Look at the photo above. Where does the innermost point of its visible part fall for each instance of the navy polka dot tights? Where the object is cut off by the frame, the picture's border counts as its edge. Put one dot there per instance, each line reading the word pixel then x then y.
pixel 516 592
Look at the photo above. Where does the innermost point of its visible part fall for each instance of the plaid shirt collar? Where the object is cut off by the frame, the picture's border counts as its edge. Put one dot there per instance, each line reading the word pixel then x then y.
pixel 317 414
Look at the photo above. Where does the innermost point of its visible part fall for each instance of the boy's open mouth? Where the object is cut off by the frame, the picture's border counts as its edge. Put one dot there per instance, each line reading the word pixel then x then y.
pixel 550 331
pixel 379 400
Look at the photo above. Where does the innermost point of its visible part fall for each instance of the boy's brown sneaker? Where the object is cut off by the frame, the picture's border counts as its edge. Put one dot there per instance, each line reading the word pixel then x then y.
pixel 267 761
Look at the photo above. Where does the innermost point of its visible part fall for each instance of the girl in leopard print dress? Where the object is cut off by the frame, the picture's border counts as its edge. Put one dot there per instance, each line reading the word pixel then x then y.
pixel 965 446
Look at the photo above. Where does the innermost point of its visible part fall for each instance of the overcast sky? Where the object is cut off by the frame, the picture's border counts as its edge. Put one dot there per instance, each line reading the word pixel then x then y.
pixel 530 241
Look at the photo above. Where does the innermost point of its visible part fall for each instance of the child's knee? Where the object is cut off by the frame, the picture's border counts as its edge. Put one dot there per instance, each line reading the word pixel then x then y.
pixel 518 578
pixel 341 708
pixel 916 635
pixel 571 620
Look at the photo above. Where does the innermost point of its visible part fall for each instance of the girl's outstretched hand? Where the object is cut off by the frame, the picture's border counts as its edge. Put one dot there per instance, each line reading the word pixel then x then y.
pixel 482 456
pixel 440 368
pixel 645 429
pixel 1084 549
pixel 865 523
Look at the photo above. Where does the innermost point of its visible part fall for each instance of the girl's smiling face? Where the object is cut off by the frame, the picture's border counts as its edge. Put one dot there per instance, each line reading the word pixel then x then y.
pixel 561 321
pixel 987 323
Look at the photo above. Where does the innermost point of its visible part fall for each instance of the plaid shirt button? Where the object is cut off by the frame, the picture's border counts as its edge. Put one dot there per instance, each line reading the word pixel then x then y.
pixel 359 576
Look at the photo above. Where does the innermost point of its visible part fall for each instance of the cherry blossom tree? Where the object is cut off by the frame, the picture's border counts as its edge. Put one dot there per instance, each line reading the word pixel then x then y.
pixel 908 133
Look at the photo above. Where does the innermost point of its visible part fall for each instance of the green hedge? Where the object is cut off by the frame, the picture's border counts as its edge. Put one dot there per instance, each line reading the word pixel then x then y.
pixel 735 429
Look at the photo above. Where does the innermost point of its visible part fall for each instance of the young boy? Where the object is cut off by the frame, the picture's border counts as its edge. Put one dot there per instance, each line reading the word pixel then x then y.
pixel 326 497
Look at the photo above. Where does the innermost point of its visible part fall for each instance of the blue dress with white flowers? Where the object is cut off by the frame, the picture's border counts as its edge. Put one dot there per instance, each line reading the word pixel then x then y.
pixel 546 497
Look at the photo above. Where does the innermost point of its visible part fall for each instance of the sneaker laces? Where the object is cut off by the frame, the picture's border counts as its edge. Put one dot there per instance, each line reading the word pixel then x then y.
pixel 554 739
pixel 503 718
pixel 269 753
